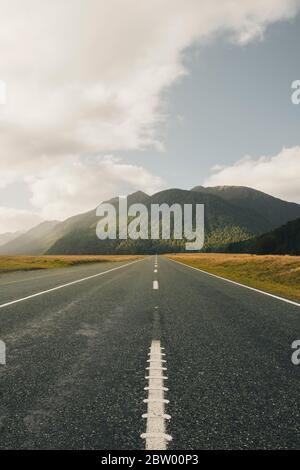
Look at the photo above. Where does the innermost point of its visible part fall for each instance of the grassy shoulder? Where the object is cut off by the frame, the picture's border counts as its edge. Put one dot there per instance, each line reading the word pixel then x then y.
pixel 29 263
pixel 279 275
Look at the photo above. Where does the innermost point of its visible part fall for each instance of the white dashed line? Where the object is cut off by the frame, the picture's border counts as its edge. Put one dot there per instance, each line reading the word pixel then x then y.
pixel 155 270
pixel 155 285
pixel 155 435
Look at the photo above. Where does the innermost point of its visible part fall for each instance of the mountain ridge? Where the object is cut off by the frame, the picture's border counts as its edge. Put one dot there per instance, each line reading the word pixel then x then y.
pixel 232 214
pixel 284 240
pixel 9 236
pixel 275 210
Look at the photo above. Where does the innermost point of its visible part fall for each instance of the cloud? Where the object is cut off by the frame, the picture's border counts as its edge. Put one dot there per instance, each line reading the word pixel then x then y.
pixel 276 175
pixel 77 185
pixel 13 220
pixel 87 77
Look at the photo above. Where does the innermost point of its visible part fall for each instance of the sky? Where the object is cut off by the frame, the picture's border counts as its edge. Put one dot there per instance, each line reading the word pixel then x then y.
pixel 108 97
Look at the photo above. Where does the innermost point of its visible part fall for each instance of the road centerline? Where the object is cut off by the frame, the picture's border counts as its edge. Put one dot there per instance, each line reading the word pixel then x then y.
pixel 155 436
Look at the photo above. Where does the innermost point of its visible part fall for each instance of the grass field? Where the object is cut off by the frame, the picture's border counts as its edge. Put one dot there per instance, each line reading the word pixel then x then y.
pixel 28 263
pixel 279 275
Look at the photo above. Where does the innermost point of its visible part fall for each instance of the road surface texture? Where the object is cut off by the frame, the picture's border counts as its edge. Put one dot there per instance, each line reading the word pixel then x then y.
pixel 76 360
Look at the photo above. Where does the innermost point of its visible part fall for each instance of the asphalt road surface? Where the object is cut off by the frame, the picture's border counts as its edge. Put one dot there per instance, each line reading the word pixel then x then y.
pixel 77 357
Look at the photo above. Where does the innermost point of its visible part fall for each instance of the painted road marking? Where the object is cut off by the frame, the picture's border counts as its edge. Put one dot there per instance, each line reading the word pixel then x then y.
pixel 156 436
pixel 155 285
pixel 68 284
pixel 44 276
pixel 155 270
pixel 238 284
pixel 60 271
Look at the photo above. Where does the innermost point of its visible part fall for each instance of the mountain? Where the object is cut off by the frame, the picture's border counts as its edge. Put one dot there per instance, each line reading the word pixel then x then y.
pixel 275 212
pixel 8 236
pixel 77 235
pixel 34 242
pixel 282 241
pixel 232 214
pixel 223 223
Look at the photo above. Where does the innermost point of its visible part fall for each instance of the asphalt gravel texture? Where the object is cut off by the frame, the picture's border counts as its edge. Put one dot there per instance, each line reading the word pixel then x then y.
pixel 76 360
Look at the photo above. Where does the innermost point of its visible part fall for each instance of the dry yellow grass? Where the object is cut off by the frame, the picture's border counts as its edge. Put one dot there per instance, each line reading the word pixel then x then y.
pixel 28 263
pixel 279 275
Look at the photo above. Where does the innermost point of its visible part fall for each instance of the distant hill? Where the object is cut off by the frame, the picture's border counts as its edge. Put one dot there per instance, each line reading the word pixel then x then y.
pixel 282 241
pixel 274 211
pixel 232 214
pixel 8 236
pixel 34 242
pixel 223 223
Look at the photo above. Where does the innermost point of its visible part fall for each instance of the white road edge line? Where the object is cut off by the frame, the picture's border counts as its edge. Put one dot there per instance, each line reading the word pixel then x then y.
pixel 238 284
pixel 155 436
pixel 68 284
pixel 155 285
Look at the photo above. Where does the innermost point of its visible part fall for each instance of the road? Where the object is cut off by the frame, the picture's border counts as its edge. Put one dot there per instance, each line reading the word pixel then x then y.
pixel 77 359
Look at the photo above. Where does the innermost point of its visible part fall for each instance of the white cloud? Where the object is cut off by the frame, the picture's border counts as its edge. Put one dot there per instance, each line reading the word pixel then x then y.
pixel 87 77
pixel 13 220
pixel 276 175
pixel 77 185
